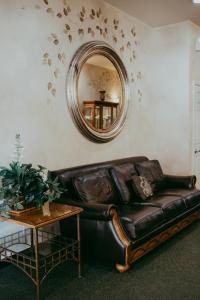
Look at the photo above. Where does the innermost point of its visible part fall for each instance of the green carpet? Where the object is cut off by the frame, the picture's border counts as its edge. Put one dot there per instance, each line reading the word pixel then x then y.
pixel 170 272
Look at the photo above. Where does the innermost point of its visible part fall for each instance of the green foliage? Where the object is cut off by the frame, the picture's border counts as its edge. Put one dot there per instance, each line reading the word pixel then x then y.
pixel 25 186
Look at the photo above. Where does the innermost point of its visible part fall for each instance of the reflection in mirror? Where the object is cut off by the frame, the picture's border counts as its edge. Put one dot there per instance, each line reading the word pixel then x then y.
pixel 99 92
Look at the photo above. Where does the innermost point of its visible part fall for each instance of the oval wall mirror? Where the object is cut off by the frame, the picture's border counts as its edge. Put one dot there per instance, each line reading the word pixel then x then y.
pixel 97 91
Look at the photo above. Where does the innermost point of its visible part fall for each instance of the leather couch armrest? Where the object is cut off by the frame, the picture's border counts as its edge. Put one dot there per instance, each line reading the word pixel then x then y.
pixel 92 211
pixel 187 182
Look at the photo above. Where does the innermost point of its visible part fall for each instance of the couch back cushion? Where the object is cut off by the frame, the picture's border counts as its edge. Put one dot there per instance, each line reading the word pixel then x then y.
pixel 122 177
pixel 96 187
pixel 152 171
pixel 66 176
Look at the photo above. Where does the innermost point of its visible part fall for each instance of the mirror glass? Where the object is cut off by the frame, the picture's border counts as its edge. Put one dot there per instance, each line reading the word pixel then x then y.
pixel 100 92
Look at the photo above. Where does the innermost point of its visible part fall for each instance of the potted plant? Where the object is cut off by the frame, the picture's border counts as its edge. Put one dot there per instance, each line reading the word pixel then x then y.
pixel 23 186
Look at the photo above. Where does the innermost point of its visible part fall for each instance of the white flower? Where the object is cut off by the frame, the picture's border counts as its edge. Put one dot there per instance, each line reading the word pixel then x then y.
pixel 18 148
pixel 45 174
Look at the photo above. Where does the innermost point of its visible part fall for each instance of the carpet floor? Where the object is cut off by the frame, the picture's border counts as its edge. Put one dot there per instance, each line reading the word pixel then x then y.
pixel 170 272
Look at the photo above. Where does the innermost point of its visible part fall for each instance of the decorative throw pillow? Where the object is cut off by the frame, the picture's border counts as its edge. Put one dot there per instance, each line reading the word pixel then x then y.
pixel 142 187
pixel 95 187
pixel 122 176
pixel 151 170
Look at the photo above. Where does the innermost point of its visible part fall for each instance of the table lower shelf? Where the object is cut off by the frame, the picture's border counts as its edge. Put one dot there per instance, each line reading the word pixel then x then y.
pixel 53 250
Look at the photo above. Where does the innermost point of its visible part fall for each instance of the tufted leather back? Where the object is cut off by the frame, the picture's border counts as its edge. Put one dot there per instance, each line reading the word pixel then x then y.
pixel 65 176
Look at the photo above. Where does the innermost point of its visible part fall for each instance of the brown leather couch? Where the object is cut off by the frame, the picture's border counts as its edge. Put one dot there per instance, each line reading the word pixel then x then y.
pixel 116 223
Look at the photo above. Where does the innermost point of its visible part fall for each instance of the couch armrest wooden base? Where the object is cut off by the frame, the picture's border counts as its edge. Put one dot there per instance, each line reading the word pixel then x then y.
pixel 134 254
pixel 118 228
pixel 161 237
pixel 122 268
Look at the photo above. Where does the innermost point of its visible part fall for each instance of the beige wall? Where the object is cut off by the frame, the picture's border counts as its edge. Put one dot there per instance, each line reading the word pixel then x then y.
pixel 176 67
pixel 169 78
pixel 47 130
pixel 157 63
pixel 194 34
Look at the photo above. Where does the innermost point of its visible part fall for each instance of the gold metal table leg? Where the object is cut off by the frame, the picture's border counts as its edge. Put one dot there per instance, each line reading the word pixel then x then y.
pixel 35 238
pixel 32 243
pixel 79 240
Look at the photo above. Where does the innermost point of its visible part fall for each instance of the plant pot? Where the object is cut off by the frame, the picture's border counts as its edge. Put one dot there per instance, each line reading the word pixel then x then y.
pixel 22 211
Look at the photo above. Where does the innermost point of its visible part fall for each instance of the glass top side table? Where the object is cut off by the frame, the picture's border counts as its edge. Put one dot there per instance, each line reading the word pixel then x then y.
pixel 44 250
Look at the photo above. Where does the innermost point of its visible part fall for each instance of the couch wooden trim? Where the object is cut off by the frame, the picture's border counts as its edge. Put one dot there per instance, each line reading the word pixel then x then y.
pixel 123 238
pixel 134 254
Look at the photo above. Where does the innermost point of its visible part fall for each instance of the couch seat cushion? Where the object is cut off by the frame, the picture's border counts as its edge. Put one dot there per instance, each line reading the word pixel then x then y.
pixel 140 220
pixel 190 197
pixel 170 203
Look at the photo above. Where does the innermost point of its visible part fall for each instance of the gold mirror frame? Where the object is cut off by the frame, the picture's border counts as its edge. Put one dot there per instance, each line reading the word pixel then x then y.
pixel 81 56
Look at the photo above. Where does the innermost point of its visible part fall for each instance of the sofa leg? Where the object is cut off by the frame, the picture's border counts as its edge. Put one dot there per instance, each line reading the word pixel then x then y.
pixel 122 268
